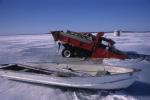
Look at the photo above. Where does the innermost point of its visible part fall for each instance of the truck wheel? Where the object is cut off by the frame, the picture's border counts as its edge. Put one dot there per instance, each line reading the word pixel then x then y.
pixel 67 53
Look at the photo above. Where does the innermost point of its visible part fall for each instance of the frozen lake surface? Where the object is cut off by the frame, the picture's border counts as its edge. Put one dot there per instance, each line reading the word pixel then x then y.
pixel 42 49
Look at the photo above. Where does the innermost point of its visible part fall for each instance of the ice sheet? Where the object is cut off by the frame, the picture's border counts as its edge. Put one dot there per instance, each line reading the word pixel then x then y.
pixel 42 48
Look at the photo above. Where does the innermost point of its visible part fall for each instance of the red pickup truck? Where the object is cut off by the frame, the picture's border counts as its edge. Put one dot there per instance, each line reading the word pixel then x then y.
pixel 84 44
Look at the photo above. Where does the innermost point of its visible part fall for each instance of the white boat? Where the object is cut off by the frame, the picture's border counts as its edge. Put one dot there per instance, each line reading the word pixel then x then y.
pixel 108 78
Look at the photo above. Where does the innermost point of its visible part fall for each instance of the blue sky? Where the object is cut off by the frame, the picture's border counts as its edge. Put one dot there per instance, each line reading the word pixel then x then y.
pixel 41 16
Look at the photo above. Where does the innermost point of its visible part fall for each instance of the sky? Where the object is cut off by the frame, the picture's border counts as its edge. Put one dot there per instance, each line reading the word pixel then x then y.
pixel 42 16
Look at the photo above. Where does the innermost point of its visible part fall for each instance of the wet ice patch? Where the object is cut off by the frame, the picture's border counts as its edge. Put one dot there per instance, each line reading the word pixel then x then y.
pixel 118 97
pixel 101 95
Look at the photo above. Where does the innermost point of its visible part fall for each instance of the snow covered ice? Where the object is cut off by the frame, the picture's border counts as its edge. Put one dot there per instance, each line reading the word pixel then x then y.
pixel 42 49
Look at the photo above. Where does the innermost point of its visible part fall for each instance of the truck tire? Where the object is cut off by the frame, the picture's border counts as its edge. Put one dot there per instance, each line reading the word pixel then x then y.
pixel 66 52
